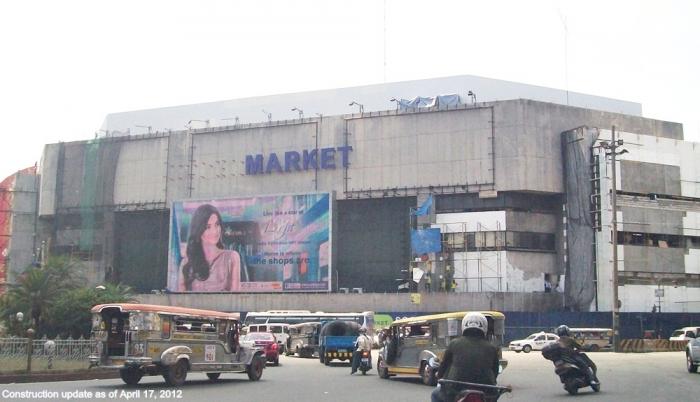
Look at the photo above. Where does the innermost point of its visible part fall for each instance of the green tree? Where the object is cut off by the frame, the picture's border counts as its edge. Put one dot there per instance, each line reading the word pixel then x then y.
pixel 70 314
pixel 36 291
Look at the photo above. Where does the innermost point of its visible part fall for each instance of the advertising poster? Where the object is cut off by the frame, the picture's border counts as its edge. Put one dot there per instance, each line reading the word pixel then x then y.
pixel 278 243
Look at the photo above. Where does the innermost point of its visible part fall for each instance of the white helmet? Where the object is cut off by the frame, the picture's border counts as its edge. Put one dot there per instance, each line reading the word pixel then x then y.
pixel 475 320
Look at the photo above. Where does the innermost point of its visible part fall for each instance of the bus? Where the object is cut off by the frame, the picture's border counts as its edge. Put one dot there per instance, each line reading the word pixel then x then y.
pixel 365 318
pixel 593 339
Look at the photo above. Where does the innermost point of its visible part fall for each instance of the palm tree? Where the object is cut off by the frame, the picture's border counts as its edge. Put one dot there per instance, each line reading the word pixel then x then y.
pixel 37 290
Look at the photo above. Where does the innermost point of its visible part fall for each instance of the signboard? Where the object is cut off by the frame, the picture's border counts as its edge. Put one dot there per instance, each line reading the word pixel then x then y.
pixel 415 298
pixel 278 243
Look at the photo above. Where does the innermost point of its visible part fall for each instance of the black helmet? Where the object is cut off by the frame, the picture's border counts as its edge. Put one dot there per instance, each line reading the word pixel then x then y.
pixel 563 330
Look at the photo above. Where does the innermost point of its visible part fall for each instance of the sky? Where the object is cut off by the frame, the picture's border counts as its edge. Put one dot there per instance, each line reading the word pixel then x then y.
pixel 65 65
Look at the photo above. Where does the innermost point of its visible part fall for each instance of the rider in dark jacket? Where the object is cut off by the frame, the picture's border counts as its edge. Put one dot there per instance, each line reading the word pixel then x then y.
pixel 469 358
pixel 565 340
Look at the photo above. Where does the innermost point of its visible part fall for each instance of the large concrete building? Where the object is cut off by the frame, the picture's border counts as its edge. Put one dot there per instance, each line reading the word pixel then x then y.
pixel 518 178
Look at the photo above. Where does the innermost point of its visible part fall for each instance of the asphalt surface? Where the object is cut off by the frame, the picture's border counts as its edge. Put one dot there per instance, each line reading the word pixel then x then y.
pixel 657 376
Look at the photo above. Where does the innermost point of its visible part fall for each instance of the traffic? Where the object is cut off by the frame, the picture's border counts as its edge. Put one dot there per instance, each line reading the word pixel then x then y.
pixel 458 353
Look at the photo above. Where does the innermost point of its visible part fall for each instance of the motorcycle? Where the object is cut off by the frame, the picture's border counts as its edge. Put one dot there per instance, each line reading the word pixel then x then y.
pixel 473 392
pixel 569 367
pixel 365 362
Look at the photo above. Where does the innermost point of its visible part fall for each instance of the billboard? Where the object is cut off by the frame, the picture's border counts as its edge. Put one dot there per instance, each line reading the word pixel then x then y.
pixel 276 243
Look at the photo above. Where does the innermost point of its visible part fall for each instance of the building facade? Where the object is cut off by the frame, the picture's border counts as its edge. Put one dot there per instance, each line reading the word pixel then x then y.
pixel 519 189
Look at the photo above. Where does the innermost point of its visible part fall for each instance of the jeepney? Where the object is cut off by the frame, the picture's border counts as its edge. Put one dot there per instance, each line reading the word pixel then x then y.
pixel 411 343
pixel 145 339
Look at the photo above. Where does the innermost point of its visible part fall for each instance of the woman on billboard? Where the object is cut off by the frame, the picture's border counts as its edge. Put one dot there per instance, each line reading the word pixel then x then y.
pixel 207 266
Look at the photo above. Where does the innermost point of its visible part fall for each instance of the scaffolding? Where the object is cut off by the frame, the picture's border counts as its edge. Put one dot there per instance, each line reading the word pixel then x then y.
pixel 475 257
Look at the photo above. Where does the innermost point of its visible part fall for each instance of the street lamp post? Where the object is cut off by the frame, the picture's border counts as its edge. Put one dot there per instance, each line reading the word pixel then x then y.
pixel 611 150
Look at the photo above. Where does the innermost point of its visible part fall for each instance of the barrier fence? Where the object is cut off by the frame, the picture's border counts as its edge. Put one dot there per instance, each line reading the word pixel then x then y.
pixel 61 349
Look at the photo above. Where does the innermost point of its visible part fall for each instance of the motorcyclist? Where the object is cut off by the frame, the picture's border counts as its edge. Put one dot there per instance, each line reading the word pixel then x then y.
pixel 469 358
pixel 363 343
pixel 566 341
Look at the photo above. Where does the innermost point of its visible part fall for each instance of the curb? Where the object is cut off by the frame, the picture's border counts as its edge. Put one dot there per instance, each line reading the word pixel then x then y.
pixel 58 376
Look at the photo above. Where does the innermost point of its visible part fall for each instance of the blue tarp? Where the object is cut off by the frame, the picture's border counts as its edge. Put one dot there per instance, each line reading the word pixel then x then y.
pixel 425 241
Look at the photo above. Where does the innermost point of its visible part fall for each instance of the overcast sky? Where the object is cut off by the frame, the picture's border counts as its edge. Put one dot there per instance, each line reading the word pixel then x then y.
pixel 66 64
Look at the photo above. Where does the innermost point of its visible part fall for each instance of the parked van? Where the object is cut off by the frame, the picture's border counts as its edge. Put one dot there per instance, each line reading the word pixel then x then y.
pixel 684 334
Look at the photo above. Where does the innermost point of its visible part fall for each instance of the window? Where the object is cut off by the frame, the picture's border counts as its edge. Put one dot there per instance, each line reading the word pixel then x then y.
pixel 194 325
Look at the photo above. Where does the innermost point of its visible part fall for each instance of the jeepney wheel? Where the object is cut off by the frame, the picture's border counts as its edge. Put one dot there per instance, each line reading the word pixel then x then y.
pixel 594 348
pixel 322 355
pixel 213 376
pixel 382 370
pixel 176 374
pixel 428 375
pixel 130 375
pixel 255 368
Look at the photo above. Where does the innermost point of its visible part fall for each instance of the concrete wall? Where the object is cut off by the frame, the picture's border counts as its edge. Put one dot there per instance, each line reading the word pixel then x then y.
pixel 22 250
pixel 651 220
pixel 340 302
pixel 650 178
pixel 653 259
pixel 651 165
pixel 141 172
pixel 48 186
pixel 404 151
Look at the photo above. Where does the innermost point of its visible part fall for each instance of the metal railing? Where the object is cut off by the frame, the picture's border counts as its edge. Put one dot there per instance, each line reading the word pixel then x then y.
pixel 63 349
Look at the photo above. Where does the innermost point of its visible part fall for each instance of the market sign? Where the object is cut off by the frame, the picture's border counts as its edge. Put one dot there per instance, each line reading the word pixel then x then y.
pixel 295 161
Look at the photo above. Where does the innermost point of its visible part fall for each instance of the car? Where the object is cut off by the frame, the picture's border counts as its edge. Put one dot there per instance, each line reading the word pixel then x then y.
pixel 685 334
pixel 536 341
pixel 692 354
pixel 268 342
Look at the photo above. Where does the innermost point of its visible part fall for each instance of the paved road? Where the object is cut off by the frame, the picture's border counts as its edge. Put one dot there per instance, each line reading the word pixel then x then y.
pixel 624 377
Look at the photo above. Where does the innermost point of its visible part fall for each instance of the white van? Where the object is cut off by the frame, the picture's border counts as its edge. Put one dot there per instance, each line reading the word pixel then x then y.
pixel 685 334
pixel 281 332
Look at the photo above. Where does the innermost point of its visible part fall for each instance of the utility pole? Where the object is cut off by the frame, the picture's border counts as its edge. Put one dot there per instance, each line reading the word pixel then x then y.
pixel 611 150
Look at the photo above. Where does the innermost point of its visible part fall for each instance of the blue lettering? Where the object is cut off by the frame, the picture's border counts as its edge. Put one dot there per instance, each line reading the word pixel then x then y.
pixel 328 158
pixel 273 164
pixel 345 151
pixel 291 160
pixel 310 159
pixel 253 166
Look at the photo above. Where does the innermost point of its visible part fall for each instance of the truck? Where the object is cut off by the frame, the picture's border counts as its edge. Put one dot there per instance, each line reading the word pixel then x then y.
pixel 337 340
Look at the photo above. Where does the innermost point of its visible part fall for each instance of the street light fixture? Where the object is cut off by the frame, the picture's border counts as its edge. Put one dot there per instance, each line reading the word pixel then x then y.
pixel 301 112
pixel 269 115
pixel 149 128
pixel 472 95
pixel 397 102
pixel 362 107
pixel 611 149
pixel 189 123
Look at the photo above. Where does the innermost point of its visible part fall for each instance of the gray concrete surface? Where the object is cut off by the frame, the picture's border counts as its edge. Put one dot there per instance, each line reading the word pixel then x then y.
pixel 624 378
